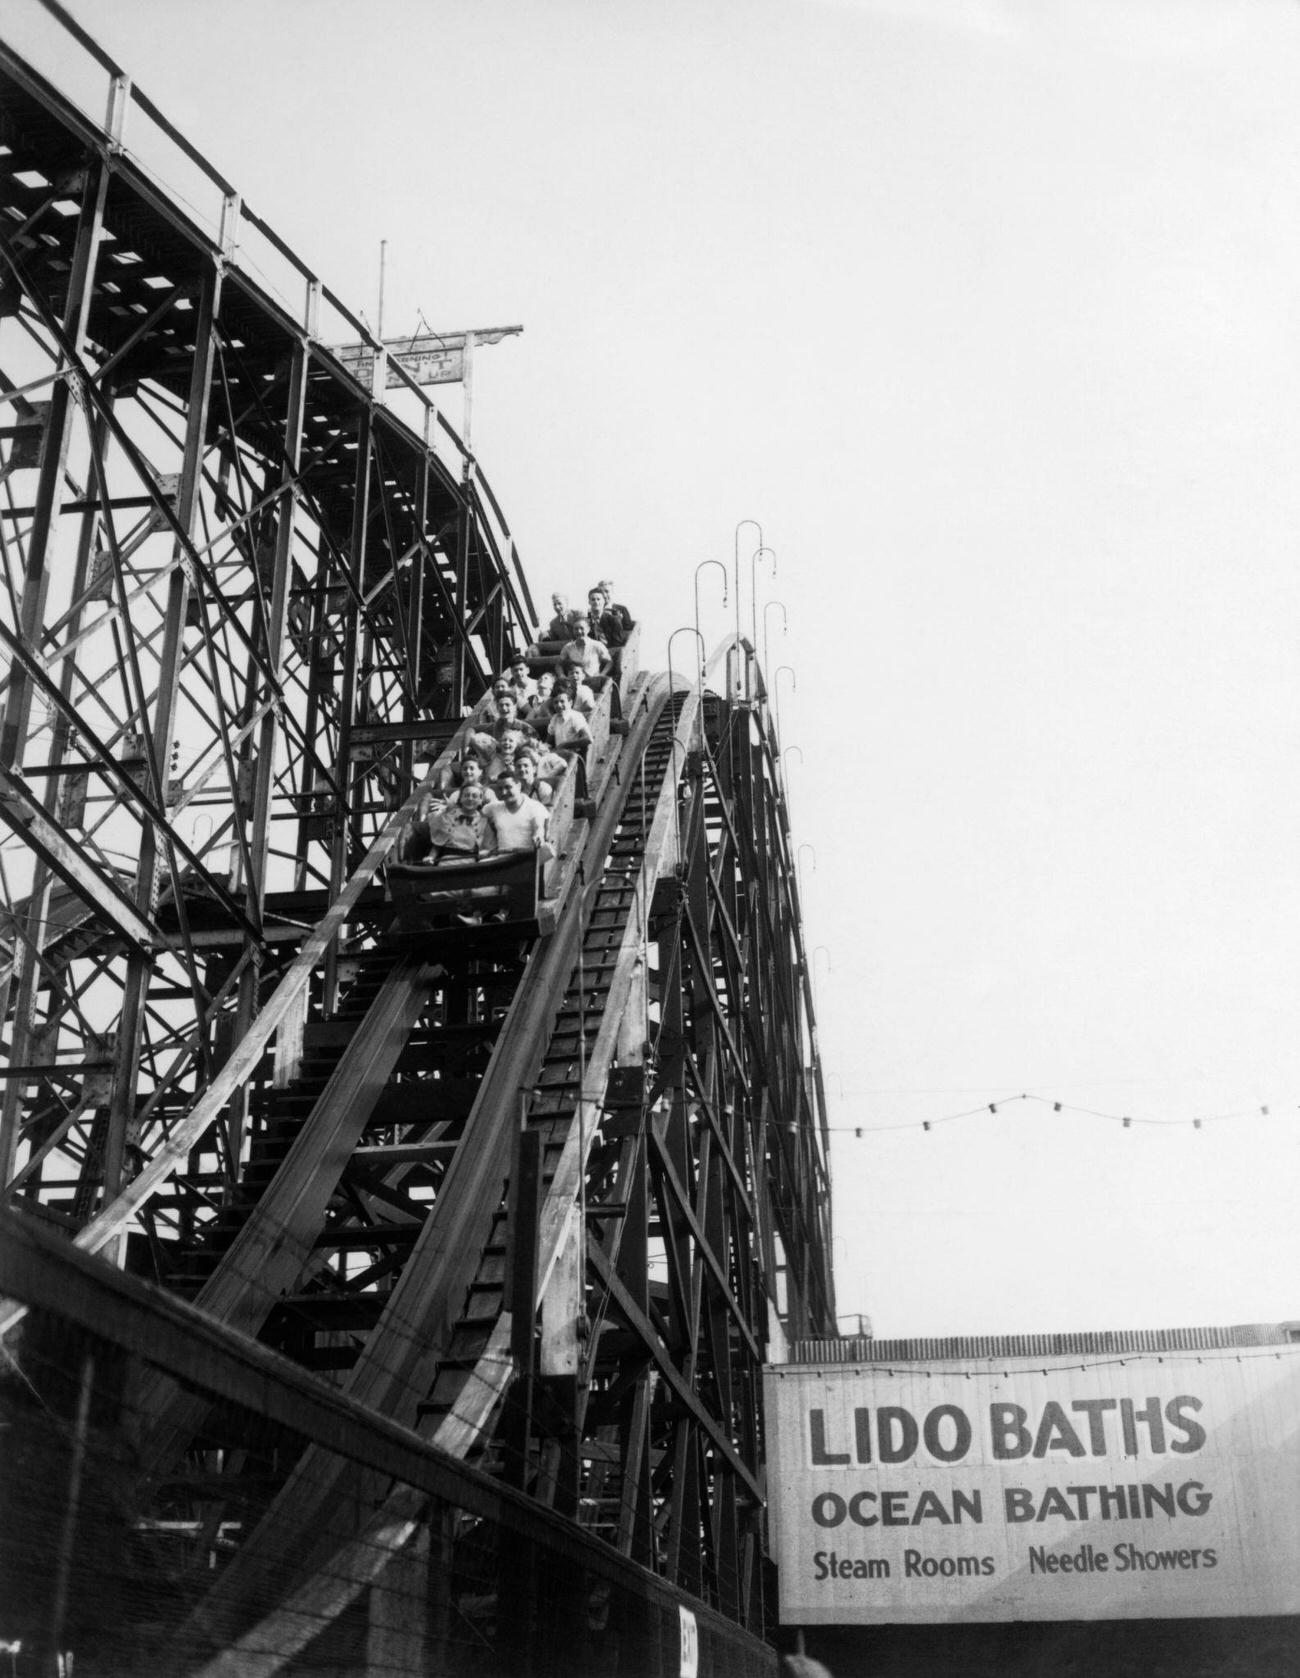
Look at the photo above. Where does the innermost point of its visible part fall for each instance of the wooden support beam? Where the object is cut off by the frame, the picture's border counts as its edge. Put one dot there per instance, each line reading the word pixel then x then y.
pixel 275 1242
pixel 703 1246
pixel 681 1386
pixel 28 819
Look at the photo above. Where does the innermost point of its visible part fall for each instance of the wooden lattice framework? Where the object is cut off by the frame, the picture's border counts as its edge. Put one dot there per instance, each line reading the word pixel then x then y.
pixel 545 1194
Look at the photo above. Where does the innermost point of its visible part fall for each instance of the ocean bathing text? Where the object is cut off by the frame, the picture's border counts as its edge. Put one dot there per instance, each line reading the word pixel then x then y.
pixel 1134 1502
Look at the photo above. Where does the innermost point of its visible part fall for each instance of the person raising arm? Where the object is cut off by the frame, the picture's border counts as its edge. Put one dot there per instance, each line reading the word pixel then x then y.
pixel 459 830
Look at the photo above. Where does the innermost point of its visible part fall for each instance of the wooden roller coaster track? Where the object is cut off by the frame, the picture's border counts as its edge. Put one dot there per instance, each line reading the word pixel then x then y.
pixel 419 1206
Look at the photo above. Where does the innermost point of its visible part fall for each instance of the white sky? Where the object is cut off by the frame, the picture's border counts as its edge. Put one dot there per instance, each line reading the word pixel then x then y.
pixel 989 312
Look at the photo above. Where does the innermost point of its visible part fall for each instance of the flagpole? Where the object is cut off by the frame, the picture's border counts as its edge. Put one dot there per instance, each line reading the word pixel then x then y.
pixel 468 382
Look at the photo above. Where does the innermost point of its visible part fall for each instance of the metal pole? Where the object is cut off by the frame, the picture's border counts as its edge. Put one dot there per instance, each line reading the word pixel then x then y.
pixel 740 684
pixel 700 567
pixel 776 693
pixel 753 593
pixel 468 382
pixel 688 629
pixel 68 1536
pixel 346 825
pixel 785 625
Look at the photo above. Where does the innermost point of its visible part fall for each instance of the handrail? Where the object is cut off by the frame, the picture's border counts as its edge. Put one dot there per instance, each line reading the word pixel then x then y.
pixel 80 36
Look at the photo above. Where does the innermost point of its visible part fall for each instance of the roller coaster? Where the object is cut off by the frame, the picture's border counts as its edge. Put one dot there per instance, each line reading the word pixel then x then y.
pixel 386 1288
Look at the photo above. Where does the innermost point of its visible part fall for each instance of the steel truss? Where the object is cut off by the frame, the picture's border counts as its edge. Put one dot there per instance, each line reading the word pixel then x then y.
pixel 543 1194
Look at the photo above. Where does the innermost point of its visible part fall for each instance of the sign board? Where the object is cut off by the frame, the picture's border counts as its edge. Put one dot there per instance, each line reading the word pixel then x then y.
pixel 431 358
pixel 690 1666
pixel 1118 1487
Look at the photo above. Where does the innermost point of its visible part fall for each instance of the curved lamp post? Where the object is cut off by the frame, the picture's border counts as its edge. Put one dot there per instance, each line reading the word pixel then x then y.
pixel 798 862
pixel 736 562
pixel 753 590
pixel 784 778
pixel 776 691
pixel 674 743
pixel 700 567
pixel 689 629
pixel 820 950
pixel 785 625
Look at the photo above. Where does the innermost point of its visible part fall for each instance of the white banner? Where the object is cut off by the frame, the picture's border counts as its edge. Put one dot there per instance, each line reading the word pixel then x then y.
pixel 431 358
pixel 428 361
pixel 690 1667
pixel 1144 1485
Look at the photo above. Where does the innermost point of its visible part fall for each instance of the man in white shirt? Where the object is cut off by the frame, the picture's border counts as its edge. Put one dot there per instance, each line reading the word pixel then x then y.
pixel 568 732
pixel 584 656
pixel 514 823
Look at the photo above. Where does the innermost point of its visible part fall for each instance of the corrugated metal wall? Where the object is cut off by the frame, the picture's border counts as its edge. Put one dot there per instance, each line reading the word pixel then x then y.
pixel 860 1349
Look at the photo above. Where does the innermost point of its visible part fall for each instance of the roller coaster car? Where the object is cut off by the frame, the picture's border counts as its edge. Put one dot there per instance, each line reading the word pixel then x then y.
pixel 456 893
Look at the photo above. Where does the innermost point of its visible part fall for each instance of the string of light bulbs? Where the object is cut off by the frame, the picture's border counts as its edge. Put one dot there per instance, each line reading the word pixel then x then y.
pixel 1065 1363
pixel 1126 1120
